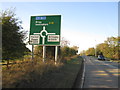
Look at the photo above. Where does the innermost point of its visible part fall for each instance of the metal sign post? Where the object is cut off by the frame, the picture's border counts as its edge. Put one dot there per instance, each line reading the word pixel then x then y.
pixel 32 52
pixel 56 53
pixel 44 53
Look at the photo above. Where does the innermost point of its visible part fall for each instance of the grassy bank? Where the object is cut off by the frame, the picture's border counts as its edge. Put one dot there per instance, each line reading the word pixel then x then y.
pixel 42 75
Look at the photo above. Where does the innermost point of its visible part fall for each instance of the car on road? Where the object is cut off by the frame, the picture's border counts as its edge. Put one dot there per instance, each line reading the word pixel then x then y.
pixel 101 57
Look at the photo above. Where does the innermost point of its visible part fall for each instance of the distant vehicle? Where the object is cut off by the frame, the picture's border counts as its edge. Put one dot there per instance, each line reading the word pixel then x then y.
pixel 101 57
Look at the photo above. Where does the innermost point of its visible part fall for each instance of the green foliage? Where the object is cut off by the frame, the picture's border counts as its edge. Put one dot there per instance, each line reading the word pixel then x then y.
pixel 90 52
pixel 68 51
pixel 38 51
pixel 50 51
pixel 12 36
pixel 63 51
pixel 82 53
pixel 110 48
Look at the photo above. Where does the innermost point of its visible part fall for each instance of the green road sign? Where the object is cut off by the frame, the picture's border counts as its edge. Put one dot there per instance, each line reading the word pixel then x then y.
pixel 45 30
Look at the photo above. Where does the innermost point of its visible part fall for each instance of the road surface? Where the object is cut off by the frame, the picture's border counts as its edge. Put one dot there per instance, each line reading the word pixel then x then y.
pixel 100 74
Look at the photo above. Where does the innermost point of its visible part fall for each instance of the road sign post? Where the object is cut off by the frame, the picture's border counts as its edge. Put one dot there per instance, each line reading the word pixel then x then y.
pixel 56 54
pixel 32 52
pixel 44 53
pixel 45 31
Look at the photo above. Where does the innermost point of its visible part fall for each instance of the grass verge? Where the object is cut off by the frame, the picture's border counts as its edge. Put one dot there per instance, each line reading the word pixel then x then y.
pixel 118 61
pixel 42 75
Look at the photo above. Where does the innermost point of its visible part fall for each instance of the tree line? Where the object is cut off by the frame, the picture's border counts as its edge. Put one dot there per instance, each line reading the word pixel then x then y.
pixel 110 48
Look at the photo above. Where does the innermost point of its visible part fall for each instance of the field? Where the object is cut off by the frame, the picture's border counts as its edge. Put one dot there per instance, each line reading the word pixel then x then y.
pixel 42 75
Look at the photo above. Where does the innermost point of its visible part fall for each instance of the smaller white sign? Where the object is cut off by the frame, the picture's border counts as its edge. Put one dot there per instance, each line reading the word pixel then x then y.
pixel 34 39
pixel 53 38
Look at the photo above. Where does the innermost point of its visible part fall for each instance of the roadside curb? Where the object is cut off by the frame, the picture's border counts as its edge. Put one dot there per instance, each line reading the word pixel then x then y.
pixel 79 81
pixel 83 75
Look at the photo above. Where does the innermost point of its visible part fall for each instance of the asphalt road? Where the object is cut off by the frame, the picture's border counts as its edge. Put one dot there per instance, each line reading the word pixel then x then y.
pixel 100 74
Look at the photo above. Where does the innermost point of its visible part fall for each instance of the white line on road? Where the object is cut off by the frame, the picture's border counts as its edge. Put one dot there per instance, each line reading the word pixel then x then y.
pixel 83 75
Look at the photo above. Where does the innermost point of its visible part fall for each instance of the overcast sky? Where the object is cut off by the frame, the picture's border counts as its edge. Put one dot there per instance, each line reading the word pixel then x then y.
pixel 84 24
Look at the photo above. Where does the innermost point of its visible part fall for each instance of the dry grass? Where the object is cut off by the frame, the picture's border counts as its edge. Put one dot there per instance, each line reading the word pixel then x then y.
pixel 41 75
